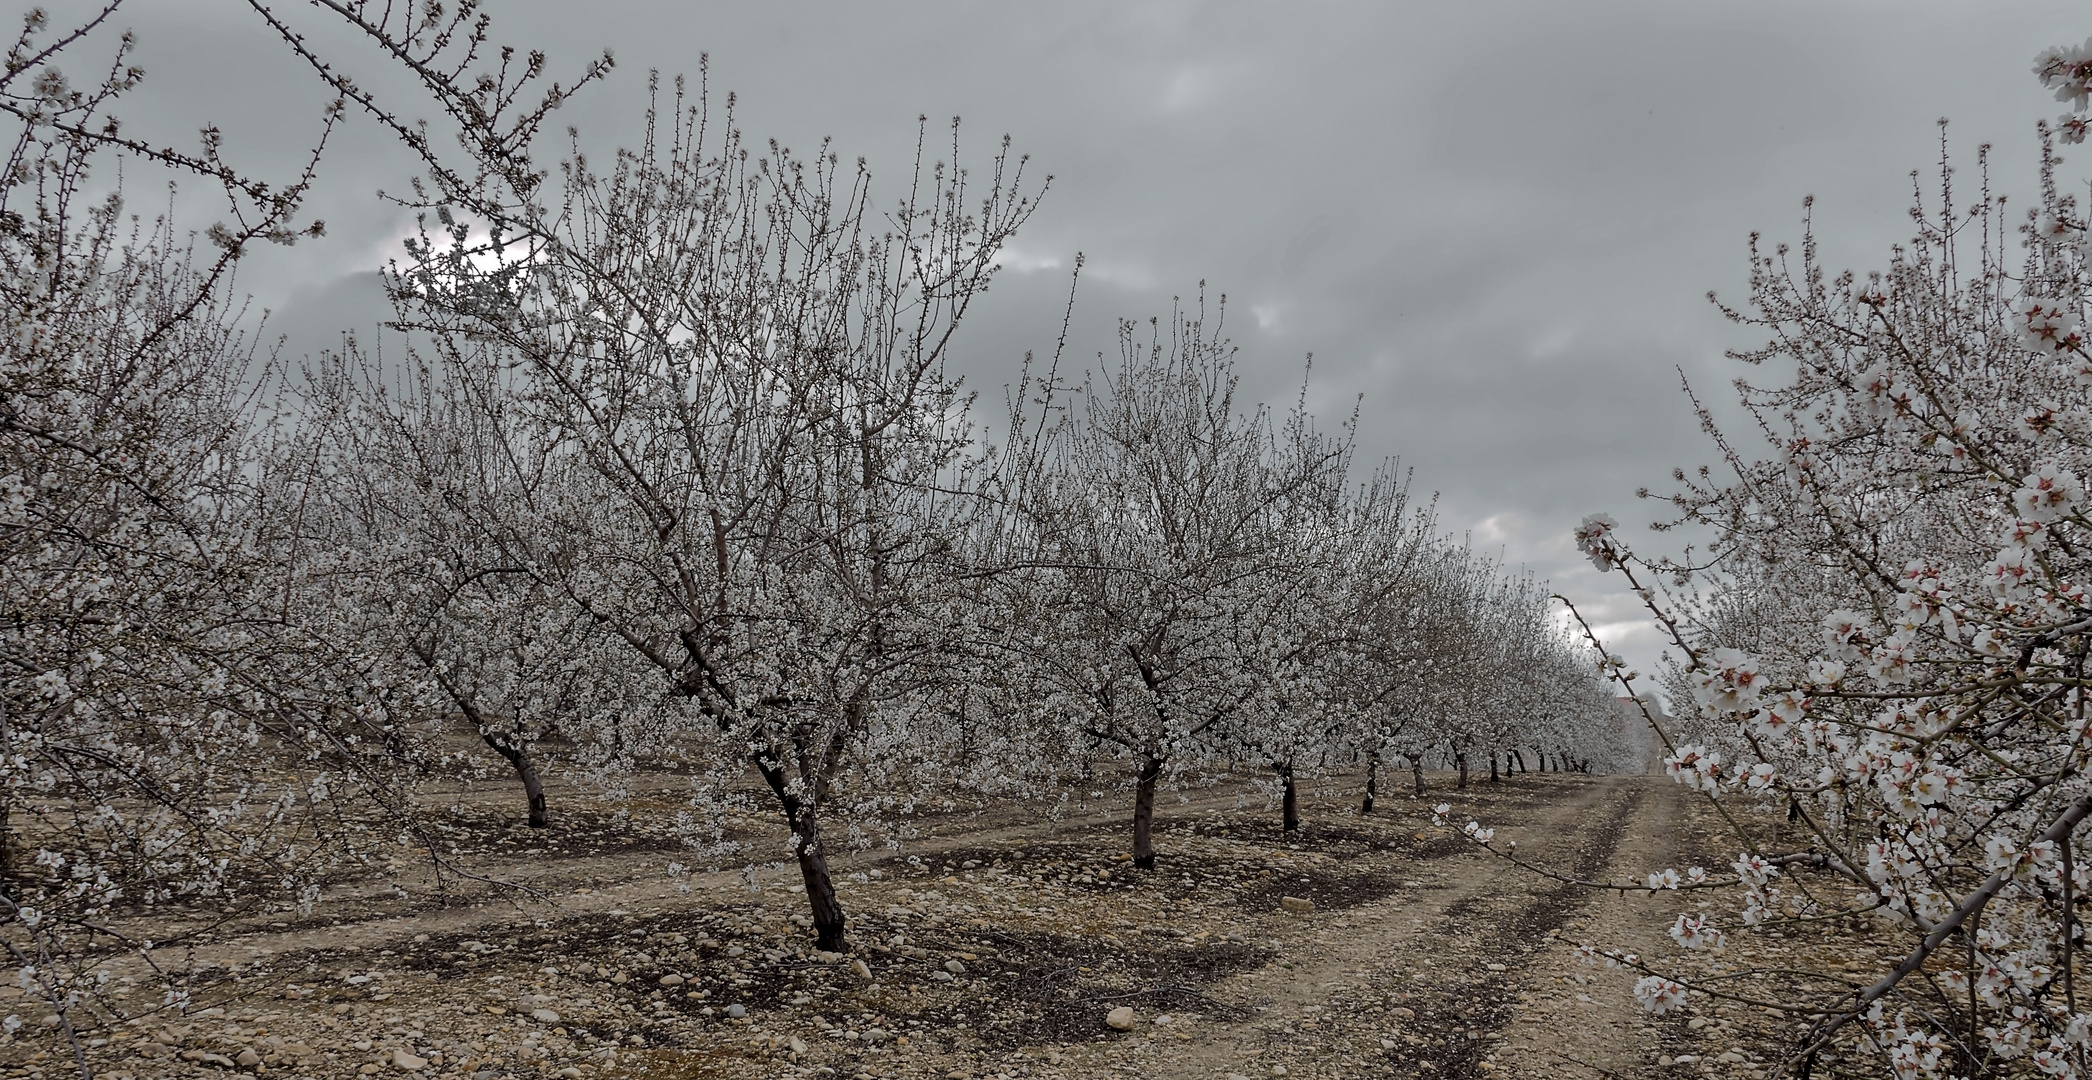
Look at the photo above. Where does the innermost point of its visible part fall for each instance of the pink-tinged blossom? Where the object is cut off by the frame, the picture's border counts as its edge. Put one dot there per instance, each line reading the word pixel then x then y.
pixel 1730 682
pixel 2053 1062
pixel 1754 869
pixel 1694 932
pixel 2032 535
pixel 2047 494
pixel 1594 537
pixel 1825 672
pixel 1663 879
pixel 1658 995
pixel 1696 767
pixel 1881 395
pixel 2048 325
pixel 1890 661
pixel 2043 419
pixel 1845 631
pixel 2067 70
pixel 2010 573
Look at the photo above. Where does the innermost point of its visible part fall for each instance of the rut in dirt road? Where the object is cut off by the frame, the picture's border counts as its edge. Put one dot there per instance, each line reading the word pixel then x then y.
pixel 1424 982
pixel 1474 1007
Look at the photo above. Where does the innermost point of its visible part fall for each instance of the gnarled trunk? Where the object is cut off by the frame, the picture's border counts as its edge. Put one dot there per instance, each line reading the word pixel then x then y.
pixel 1492 767
pixel 516 752
pixel 1144 814
pixel 1460 759
pixel 1416 769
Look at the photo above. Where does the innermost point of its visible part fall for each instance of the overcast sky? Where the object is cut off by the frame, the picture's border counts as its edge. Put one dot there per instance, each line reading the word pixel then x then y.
pixel 1496 221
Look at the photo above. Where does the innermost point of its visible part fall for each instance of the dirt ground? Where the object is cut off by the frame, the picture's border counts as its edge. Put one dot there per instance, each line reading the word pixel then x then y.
pixel 995 945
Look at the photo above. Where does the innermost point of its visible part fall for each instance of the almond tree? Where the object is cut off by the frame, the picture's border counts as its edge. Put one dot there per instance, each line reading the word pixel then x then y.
pixel 1156 524
pixel 747 365
pixel 388 479
pixel 1890 642
pixel 168 733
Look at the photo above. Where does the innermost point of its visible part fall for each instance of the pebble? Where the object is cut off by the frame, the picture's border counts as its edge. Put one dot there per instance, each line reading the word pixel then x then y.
pixel 1297 905
pixel 956 967
pixel 404 1060
pixel 1120 1019
pixel 737 1011
pixel 671 980
pixel 544 1016
pixel 861 969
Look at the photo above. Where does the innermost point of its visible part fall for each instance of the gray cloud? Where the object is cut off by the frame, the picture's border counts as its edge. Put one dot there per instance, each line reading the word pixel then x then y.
pixel 1496 221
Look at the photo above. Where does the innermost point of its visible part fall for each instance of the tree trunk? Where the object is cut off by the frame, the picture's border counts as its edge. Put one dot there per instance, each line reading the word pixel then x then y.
pixel 517 752
pixel 801 815
pixel 1416 769
pixel 1492 767
pixel 1289 803
pixel 1520 756
pixel 1144 814
pixel 820 888
pixel 1372 781
pixel 1461 760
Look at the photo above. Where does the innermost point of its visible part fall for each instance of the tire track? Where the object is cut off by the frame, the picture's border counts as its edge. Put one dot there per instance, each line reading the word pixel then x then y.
pixel 1457 1000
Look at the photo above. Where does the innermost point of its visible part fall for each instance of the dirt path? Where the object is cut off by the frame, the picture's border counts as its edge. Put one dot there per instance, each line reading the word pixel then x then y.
pixel 1485 986
pixel 994 947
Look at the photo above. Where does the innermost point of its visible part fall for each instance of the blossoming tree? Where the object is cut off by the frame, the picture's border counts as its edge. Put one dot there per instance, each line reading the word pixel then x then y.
pixel 1890 643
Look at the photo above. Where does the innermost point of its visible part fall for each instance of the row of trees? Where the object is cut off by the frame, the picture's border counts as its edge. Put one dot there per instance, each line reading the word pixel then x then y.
pixel 691 441
pixel 675 470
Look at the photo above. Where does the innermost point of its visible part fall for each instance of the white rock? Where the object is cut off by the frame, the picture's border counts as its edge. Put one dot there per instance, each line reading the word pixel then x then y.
pixel 404 1060
pixel 1120 1019
pixel 671 980
pixel 737 1011
pixel 1295 904
pixel 544 1016
pixel 956 967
